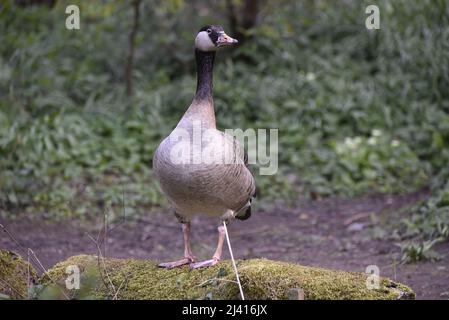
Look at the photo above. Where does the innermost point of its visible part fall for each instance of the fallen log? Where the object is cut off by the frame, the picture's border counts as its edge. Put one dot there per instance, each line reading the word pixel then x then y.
pixel 260 278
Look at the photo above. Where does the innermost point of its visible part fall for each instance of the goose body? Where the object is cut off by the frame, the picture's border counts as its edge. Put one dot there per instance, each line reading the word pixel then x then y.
pixel 202 170
pixel 217 189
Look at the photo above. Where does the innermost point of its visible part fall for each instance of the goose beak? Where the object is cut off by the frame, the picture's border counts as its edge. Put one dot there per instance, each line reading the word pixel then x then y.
pixel 225 40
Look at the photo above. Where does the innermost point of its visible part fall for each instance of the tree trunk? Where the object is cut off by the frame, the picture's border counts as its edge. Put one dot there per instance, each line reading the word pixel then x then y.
pixel 240 24
pixel 131 47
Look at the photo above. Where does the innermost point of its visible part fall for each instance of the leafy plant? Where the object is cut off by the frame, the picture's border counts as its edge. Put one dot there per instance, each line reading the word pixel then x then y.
pixel 415 252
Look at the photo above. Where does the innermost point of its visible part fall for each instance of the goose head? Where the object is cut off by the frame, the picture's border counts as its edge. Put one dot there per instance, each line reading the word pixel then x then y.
pixel 212 37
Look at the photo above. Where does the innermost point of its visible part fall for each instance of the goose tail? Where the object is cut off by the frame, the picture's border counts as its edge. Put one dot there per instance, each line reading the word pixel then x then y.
pixel 244 214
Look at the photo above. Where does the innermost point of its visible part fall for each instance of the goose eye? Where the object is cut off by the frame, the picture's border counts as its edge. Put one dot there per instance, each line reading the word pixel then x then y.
pixel 209 31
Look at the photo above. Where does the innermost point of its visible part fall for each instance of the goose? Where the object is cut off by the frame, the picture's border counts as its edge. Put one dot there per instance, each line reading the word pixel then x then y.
pixel 221 189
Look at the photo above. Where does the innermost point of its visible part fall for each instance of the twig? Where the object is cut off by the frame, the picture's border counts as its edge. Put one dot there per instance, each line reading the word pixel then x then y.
pixel 101 263
pixel 103 241
pixel 46 273
pixel 105 232
pixel 121 284
pixel 36 259
pixel 7 285
pixel 100 240
pixel 233 261
pixel 28 277
pixel 123 210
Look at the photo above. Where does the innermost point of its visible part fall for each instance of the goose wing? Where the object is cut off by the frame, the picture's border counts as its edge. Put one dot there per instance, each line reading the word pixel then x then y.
pixel 240 181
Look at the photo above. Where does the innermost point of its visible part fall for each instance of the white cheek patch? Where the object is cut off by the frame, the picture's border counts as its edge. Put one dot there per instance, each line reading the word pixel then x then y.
pixel 204 43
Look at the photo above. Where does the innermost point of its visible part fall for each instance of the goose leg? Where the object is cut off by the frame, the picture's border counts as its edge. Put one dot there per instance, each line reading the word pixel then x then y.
pixel 188 256
pixel 217 255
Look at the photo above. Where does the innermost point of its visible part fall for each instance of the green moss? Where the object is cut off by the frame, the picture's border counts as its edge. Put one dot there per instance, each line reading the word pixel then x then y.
pixel 261 279
pixel 15 275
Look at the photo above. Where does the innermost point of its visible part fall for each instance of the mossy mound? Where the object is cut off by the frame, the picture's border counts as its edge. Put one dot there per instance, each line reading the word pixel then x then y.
pixel 16 275
pixel 260 278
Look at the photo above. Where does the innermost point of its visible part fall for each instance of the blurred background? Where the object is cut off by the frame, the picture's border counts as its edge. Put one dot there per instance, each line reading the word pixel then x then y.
pixel 363 119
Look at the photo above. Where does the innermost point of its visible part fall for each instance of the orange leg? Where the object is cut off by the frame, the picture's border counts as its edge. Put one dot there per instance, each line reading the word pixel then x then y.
pixel 217 255
pixel 188 256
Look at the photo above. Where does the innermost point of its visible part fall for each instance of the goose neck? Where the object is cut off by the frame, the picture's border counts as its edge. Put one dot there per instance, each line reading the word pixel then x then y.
pixel 204 68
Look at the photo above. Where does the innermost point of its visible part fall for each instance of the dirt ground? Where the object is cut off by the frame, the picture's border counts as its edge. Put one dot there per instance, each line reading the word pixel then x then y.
pixel 332 233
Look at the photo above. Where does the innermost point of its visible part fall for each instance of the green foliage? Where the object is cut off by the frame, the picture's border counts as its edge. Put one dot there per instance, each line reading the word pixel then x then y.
pixel 429 222
pixel 76 160
pixel 71 142
pixel 376 162
pixel 415 252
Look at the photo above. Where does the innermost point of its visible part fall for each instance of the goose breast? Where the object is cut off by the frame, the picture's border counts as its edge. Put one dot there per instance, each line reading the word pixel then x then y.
pixel 206 177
